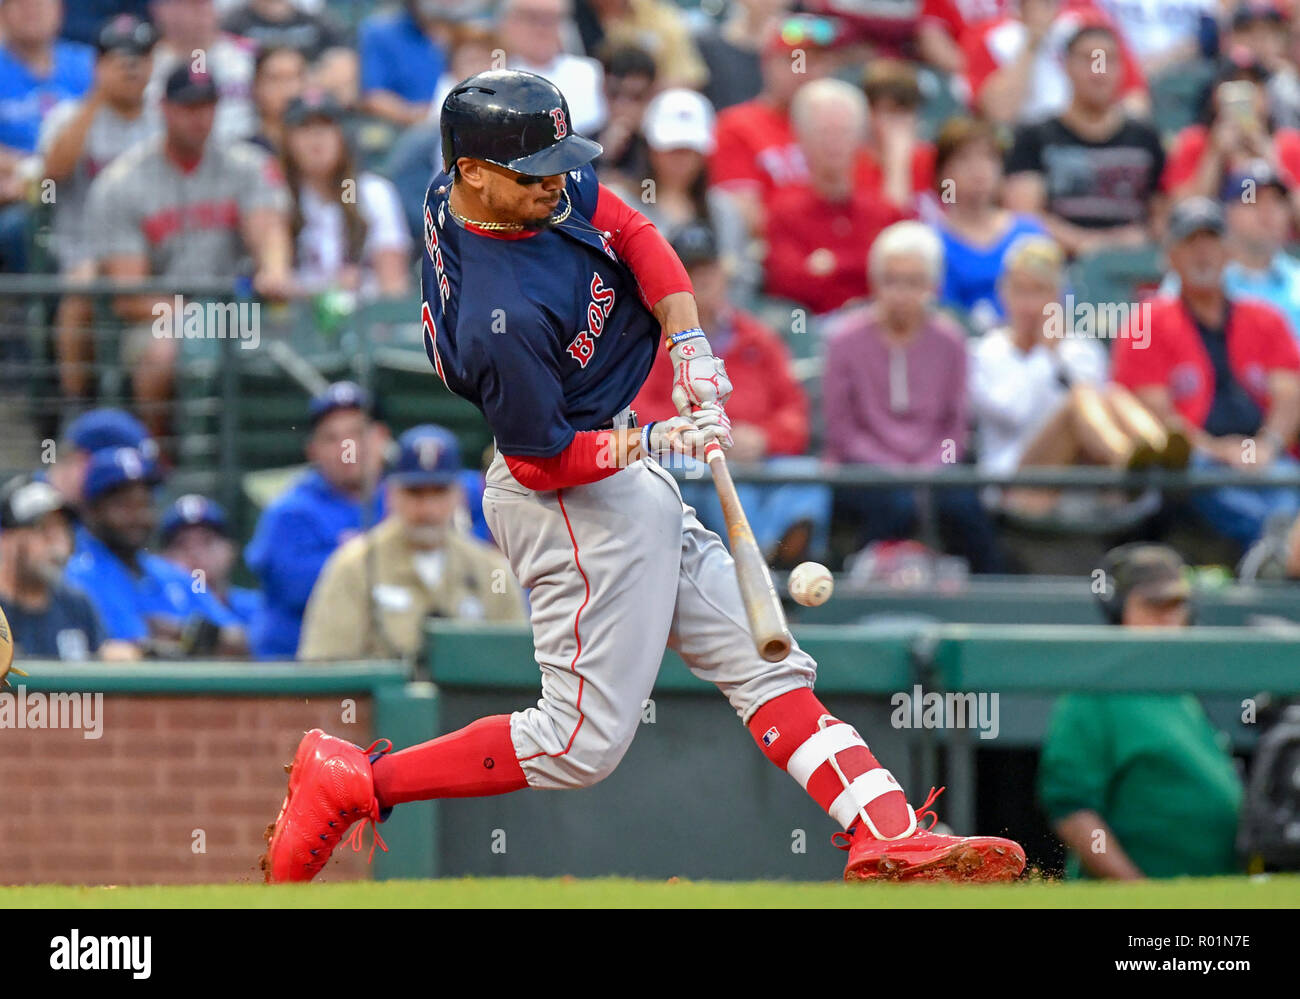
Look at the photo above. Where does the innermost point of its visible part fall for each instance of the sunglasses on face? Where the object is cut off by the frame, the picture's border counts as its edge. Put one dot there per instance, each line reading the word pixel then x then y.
pixel 522 179
pixel 817 30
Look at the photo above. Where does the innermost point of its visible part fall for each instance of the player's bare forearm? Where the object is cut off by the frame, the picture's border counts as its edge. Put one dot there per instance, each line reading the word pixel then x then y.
pixel 625 447
pixel 1087 834
pixel 677 312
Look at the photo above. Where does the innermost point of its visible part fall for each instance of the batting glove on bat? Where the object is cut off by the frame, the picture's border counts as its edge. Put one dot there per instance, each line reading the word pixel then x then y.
pixel 698 376
pixel 713 417
pixel 680 435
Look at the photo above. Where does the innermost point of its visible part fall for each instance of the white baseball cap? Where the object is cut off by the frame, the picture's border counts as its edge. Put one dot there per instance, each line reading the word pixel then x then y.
pixel 679 119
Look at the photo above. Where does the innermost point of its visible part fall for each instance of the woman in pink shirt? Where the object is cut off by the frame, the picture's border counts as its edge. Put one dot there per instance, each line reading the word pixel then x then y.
pixel 894 394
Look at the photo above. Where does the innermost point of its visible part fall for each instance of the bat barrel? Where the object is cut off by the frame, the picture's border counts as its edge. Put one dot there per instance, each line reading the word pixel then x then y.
pixel 767 623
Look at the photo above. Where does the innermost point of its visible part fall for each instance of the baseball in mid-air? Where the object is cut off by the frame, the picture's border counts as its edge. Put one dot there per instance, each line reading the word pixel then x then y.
pixel 811 584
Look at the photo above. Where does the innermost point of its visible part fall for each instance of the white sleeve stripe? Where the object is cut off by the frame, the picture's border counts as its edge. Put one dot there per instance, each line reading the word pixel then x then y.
pixel 864 789
pixel 818 748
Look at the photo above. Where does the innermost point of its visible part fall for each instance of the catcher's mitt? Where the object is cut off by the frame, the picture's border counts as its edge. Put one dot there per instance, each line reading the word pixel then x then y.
pixel 6 652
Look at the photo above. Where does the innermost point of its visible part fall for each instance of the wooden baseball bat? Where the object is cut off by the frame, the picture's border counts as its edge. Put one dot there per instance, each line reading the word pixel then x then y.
pixel 766 618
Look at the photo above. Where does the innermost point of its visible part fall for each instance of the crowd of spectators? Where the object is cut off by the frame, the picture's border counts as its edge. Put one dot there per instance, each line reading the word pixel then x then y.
pixel 884 212
pixel 372 538
pixel 888 213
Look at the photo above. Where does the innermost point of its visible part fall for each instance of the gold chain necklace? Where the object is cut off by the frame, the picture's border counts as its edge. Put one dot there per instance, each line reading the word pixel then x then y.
pixel 556 219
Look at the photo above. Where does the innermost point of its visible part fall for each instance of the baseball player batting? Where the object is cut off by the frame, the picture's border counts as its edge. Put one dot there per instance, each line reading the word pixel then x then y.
pixel 545 299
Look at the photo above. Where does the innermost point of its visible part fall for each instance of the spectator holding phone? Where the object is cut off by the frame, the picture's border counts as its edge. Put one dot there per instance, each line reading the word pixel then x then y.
pixel 1237 131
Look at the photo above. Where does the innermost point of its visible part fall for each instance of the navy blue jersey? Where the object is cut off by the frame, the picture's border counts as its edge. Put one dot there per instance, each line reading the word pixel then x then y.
pixel 545 334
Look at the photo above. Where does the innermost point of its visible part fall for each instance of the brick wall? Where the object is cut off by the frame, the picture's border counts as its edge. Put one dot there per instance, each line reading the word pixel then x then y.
pixel 123 809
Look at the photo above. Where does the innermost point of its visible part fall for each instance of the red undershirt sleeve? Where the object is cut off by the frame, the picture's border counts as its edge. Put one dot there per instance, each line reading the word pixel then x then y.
pixel 588 458
pixel 642 247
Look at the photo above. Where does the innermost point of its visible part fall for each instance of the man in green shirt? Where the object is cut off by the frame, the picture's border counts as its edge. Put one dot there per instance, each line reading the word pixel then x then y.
pixel 1139 785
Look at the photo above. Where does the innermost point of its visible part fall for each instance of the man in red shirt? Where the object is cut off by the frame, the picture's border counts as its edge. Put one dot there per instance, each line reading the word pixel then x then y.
pixel 769 414
pixel 755 150
pixel 820 231
pixel 1225 372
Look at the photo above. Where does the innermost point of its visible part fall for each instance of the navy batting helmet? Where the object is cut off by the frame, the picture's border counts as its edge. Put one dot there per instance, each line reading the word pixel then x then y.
pixel 513 119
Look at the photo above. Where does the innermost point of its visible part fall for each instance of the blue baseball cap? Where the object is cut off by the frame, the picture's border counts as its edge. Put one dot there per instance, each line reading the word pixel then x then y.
pixel 427 455
pixel 118 466
pixel 193 510
pixel 1252 177
pixel 108 428
pixel 340 395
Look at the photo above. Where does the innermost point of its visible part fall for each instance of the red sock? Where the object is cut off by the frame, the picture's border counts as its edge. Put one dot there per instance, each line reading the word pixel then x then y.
pixel 473 762
pixel 798 734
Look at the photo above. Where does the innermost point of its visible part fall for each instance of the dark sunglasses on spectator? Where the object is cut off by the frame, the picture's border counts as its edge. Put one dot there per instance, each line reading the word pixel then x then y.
pixel 818 30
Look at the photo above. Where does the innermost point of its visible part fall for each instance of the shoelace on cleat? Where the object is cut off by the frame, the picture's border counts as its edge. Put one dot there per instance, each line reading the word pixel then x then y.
pixel 373 817
pixel 355 837
pixel 925 809
pixel 843 839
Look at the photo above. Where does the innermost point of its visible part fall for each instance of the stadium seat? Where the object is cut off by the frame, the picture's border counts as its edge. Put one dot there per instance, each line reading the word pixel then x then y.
pixel 1116 276
pixel 1176 94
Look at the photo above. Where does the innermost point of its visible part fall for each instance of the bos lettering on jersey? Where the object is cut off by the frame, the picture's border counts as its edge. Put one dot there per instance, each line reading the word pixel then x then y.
pixel 583 347
pixel 546 335
pixel 434 251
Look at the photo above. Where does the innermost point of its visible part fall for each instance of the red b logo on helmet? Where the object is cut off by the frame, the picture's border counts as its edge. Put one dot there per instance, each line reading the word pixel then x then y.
pixel 561 126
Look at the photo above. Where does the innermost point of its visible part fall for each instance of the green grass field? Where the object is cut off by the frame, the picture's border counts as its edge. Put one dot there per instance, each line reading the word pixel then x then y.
pixel 1229 893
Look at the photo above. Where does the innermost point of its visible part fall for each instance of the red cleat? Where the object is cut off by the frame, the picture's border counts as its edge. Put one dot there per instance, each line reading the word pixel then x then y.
pixel 330 788
pixel 929 856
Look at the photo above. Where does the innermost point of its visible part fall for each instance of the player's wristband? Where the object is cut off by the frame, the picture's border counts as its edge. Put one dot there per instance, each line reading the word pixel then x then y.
pixel 645 438
pixel 682 337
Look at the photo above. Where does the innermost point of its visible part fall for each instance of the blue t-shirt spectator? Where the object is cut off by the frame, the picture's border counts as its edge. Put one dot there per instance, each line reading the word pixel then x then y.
pixel 473 482
pixel 65 628
pixel 971 271
pixel 294 537
pixel 126 600
pixel 398 57
pixel 25 97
